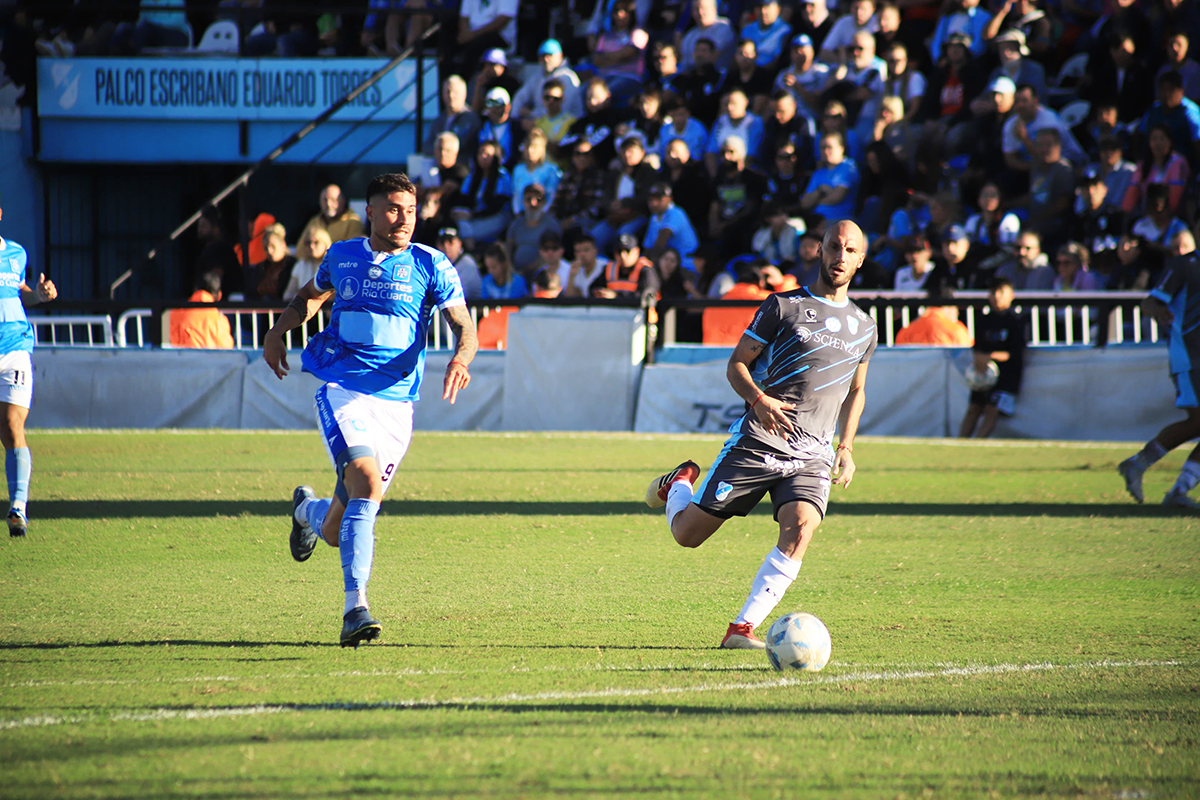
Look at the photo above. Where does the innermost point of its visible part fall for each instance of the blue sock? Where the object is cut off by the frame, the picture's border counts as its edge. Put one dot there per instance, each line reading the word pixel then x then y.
pixel 17 465
pixel 314 514
pixel 357 543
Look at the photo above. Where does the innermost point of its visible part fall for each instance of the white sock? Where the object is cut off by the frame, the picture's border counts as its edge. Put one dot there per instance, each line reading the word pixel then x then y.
pixel 299 513
pixel 678 497
pixel 773 579
pixel 1189 476
pixel 354 600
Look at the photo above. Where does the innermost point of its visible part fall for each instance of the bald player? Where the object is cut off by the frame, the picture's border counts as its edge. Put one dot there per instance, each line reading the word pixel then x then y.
pixel 801 367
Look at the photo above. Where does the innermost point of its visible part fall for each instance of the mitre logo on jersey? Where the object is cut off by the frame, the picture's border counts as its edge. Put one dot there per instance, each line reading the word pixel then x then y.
pixel 852 324
pixel 375 271
pixel 833 324
pixel 348 288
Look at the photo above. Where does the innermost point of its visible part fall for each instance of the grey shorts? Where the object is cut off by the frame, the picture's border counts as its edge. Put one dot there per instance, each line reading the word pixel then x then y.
pixel 743 474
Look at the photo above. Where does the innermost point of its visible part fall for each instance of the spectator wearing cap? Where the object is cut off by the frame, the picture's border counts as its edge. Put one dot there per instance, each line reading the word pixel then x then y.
pixel 626 190
pixel 966 17
pixel 534 168
pixel 709 25
pixel 678 123
pixel 1177 59
pixel 806 78
pixel 669 226
pixel 739 192
pixel 1015 63
pixel 451 244
pixel 736 121
pixel 861 19
pixel 584 268
pixel 483 26
pixel 812 18
pixel 1029 269
pixel 455 118
pixel 1121 80
pixel 691 188
pixel 982 137
pixel 578 205
pixel 529 103
pixel 1162 165
pixel 629 274
pixel 499 127
pixel 1024 17
pixel 939 326
pixel 952 85
pixel 550 254
pixel 524 234
pixel 555 122
pixel 777 241
pixel 697 85
pixel 770 34
pixel 1098 225
pixel 1029 117
pixel 918 265
pixel 832 192
pixel 493 73
pixel 482 207
pixel 599 124
pixel 1180 115
pixel 745 74
pixel 956 263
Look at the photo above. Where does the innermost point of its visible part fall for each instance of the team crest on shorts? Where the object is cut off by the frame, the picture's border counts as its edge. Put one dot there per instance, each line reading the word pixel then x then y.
pixel 723 490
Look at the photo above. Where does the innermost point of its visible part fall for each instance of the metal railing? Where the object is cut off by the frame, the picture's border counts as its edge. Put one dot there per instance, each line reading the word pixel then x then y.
pixel 73 331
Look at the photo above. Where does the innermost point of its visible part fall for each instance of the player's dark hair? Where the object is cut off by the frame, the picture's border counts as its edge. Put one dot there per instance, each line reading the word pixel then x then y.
pixel 999 283
pixel 389 183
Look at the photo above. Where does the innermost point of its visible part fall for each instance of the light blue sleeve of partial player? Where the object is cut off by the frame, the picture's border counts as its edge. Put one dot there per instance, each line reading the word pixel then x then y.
pixel 323 281
pixel 445 289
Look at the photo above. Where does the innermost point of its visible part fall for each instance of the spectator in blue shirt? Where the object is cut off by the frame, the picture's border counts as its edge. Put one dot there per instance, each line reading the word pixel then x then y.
pixel 770 34
pixel 1180 115
pixel 534 168
pixel 501 281
pixel 482 208
pixel 736 121
pixel 680 124
pixel 833 189
pixel 669 227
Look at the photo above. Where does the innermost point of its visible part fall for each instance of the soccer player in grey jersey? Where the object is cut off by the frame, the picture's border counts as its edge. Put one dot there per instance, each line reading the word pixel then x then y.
pixel 1175 304
pixel 808 351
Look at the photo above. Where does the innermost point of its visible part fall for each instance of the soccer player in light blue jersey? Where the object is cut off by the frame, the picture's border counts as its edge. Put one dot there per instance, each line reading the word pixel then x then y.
pixel 801 367
pixel 372 358
pixel 16 374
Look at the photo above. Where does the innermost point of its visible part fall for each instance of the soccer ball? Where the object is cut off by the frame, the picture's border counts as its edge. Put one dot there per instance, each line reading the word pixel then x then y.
pixel 981 381
pixel 798 641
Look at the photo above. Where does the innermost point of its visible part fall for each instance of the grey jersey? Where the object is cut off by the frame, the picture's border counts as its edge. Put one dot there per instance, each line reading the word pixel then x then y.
pixel 813 348
pixel 1179 288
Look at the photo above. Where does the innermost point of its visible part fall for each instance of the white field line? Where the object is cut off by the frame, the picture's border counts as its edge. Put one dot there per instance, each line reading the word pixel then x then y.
pixel 623 435
pixel 154 715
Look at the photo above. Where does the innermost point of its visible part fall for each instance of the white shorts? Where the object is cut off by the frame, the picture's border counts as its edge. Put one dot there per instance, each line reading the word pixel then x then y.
pixel 16 379
pixel 351 420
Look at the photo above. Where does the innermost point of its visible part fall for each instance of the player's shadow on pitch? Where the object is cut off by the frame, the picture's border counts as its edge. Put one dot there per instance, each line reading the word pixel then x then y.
pixel 158 509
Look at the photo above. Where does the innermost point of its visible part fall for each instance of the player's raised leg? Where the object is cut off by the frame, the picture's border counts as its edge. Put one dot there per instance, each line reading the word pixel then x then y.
pixel 18 464
pixel 798 522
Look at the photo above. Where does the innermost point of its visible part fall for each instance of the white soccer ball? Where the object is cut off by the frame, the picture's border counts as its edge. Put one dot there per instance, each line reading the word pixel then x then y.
pixel 981 381
pixel 798 641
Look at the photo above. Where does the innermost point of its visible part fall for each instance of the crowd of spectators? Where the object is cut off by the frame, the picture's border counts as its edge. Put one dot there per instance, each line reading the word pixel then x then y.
pixel 688 147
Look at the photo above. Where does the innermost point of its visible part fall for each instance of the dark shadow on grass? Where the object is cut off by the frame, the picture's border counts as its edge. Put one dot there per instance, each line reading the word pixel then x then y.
pixel 155 509
pixel 373 645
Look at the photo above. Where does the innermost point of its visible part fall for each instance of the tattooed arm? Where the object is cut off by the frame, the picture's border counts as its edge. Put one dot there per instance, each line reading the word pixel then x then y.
pixel 299 311
pixel 457 376
pixel 770 411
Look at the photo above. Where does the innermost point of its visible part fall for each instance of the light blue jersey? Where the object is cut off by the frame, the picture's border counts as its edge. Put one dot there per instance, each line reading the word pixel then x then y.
pixel 375 341
pixel 16 334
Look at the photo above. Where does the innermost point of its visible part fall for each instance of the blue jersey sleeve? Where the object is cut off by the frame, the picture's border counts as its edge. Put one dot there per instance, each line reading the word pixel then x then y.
pixel 323 281
pixel 445 287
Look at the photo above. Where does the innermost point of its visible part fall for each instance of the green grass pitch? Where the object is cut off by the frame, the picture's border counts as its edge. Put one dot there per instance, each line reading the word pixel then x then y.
pixel 1005 622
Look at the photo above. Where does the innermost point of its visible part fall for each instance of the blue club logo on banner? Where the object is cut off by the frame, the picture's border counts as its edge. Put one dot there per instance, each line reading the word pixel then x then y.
pixel 220 89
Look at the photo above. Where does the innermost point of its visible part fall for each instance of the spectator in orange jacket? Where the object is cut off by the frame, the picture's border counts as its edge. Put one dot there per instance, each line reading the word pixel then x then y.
pixel 258 251
pixel 726 325
pixel 939 324
pixel 203 328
